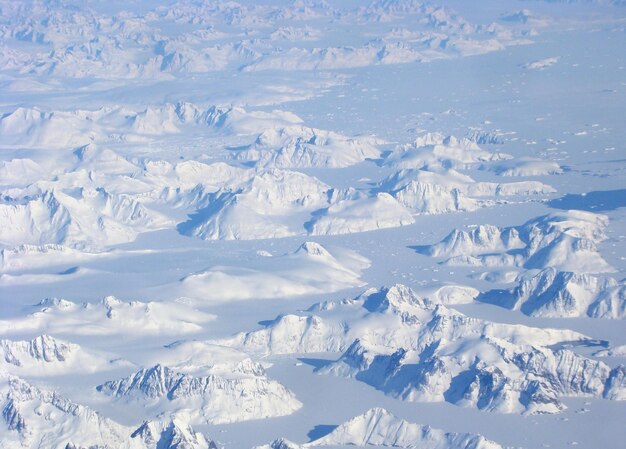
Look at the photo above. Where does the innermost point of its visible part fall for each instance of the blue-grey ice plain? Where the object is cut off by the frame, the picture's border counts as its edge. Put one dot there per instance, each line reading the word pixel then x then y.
pixel 288 224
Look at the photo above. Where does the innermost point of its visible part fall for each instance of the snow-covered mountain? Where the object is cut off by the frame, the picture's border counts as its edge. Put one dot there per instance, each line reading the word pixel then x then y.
pixel 19 172
pixel 262 208
pixel 175 434
pixel 552 293
pixel 359 214
pixel 213 164
pixel 435 150
pixel 32 127
pixel 526 167
pixel 43 349
pixel 484 373
pixel 564 240
pixel 311 269
pixel 39 256
pixel 126 196
pixel 380 428
pixel 110 316
pixel 390 316
pixel 619 351
pixel 45 355
pixel 199 357
pixel 38 418
pixel 238 120
pixel 211 398
pixel 302 147
pixel 86 43
pixel 68 218
pixel 437 191
pixel 416 350
pixel 60 129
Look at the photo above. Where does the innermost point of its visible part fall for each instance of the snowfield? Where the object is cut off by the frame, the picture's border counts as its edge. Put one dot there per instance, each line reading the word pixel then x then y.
pixel 287 224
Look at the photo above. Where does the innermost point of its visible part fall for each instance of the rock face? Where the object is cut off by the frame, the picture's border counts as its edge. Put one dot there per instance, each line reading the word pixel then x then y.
pixel 561 294
pixel 220 399
pixel 566 241
pixel 377 427
pixel 416 349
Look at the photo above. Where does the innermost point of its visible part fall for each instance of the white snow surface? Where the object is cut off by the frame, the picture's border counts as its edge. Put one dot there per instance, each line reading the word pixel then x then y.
pixel 181 171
